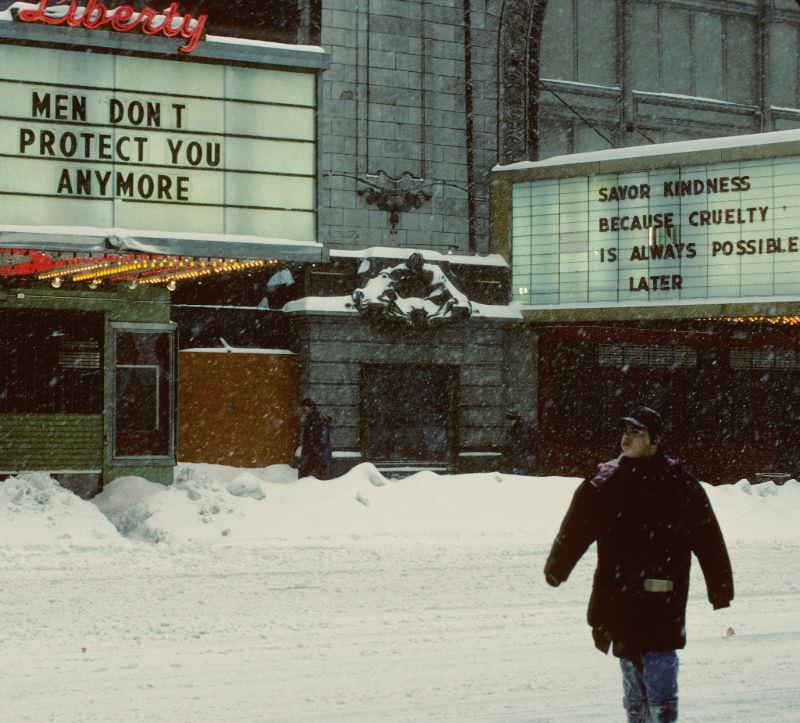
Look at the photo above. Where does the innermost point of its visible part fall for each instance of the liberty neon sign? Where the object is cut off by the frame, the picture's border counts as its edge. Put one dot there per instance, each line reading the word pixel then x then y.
pixel 169 22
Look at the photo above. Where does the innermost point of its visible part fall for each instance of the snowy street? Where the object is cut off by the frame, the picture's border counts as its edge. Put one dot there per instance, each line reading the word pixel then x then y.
pixel 367 627
pixel 349 348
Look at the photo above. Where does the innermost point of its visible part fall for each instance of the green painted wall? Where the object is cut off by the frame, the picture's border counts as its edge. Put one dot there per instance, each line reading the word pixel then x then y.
pixel 51 441
pixel 142 304
pixel 160 473
pixel 74 441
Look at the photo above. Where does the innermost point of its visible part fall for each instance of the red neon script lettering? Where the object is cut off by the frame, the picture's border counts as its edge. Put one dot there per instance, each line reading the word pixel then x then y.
pixel 169 22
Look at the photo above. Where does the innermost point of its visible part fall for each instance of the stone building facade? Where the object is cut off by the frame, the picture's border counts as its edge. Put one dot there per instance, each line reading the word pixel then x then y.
pixel 424 97
pixel 413 121
pixel 467 84
pixel 654 81
pixel 615 73
pixel 409 117
pixel 424 396
pixel 408 132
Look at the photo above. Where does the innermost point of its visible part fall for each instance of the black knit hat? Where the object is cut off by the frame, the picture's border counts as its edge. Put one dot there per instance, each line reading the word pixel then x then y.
pixel 646 418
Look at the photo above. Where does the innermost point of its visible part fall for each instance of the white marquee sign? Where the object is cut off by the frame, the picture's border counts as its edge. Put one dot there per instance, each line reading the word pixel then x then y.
pixel 709 231
pixel 96 139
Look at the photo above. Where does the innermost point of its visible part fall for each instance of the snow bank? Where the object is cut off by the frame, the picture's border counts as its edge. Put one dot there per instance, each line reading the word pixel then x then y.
pixel 36 510
pixel 215 504
pixel 763 511
pixel 209 502
pixel 206 502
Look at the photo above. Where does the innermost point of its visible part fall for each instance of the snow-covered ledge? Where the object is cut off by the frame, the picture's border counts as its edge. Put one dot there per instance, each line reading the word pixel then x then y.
pixel 344 306
pixel 716 149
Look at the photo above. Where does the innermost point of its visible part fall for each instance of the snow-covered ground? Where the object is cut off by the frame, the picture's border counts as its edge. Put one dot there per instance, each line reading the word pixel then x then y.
pixel 246 595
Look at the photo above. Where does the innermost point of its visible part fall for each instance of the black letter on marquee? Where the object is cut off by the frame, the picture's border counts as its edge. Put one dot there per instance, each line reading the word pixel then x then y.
pixel 39 105
pixel 26 138
pixel 64 183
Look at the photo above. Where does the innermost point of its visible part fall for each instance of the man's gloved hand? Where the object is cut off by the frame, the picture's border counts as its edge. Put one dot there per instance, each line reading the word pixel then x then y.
pixel 552 580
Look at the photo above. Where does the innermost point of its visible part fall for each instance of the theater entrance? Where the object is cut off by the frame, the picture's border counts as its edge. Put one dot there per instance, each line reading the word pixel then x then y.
pixel 409 412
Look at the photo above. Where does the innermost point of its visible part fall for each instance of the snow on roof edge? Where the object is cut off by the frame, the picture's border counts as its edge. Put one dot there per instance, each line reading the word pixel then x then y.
pixel 751 140
pixel 235 350
pixel 110 232
pixel 230 40
pixel 396 252
pixel 344 305
pixel 329 304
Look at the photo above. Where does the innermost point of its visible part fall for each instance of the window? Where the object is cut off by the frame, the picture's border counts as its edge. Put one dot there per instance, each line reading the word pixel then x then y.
pixel 642 71
pixel 143 390
pixel 578 41
pixel 708 52
pixel 51 362
pixel 275 20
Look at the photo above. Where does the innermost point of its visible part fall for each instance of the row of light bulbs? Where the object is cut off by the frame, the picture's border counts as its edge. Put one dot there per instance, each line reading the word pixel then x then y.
pixel 179 269
pixel 70 269
pixel 216 267
pixel 773 320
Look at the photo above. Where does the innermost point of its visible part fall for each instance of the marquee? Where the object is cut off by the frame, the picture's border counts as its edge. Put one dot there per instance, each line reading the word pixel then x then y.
pixel 701 231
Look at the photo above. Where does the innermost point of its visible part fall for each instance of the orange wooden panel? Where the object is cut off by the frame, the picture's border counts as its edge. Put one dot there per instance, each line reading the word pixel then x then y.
pixel 237 409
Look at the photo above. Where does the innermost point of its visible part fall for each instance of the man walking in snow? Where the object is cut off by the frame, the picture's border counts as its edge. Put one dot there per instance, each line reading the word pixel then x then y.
pixel 519 456
pixel 647 515
pixel 315 440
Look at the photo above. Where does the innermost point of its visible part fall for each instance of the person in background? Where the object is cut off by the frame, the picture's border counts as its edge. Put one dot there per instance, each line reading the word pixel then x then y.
pixel 647 515
pixel 519 455
pixel 315 442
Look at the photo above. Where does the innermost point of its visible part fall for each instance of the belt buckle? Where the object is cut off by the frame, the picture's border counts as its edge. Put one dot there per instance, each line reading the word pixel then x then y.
pixel 654 584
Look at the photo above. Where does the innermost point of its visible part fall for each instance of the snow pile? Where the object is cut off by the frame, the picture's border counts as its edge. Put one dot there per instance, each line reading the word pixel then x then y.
pixel 218 504
pixel 764 511
pixel 202 504
pixel 209 502
pixel 36 510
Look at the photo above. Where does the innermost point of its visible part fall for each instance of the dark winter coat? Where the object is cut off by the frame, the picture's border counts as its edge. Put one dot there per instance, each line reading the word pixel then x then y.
pixel 648 517
pixel 315 453
pixel 519 451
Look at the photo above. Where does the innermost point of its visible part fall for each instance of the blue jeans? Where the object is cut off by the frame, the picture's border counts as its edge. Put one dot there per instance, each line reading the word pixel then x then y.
pixel 650 687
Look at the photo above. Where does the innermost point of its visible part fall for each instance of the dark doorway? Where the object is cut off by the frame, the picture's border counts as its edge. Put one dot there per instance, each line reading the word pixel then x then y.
pixel 409 411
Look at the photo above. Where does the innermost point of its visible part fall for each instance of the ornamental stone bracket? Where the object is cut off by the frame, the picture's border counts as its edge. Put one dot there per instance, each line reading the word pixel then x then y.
pixel 412 292
pixel 394 195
